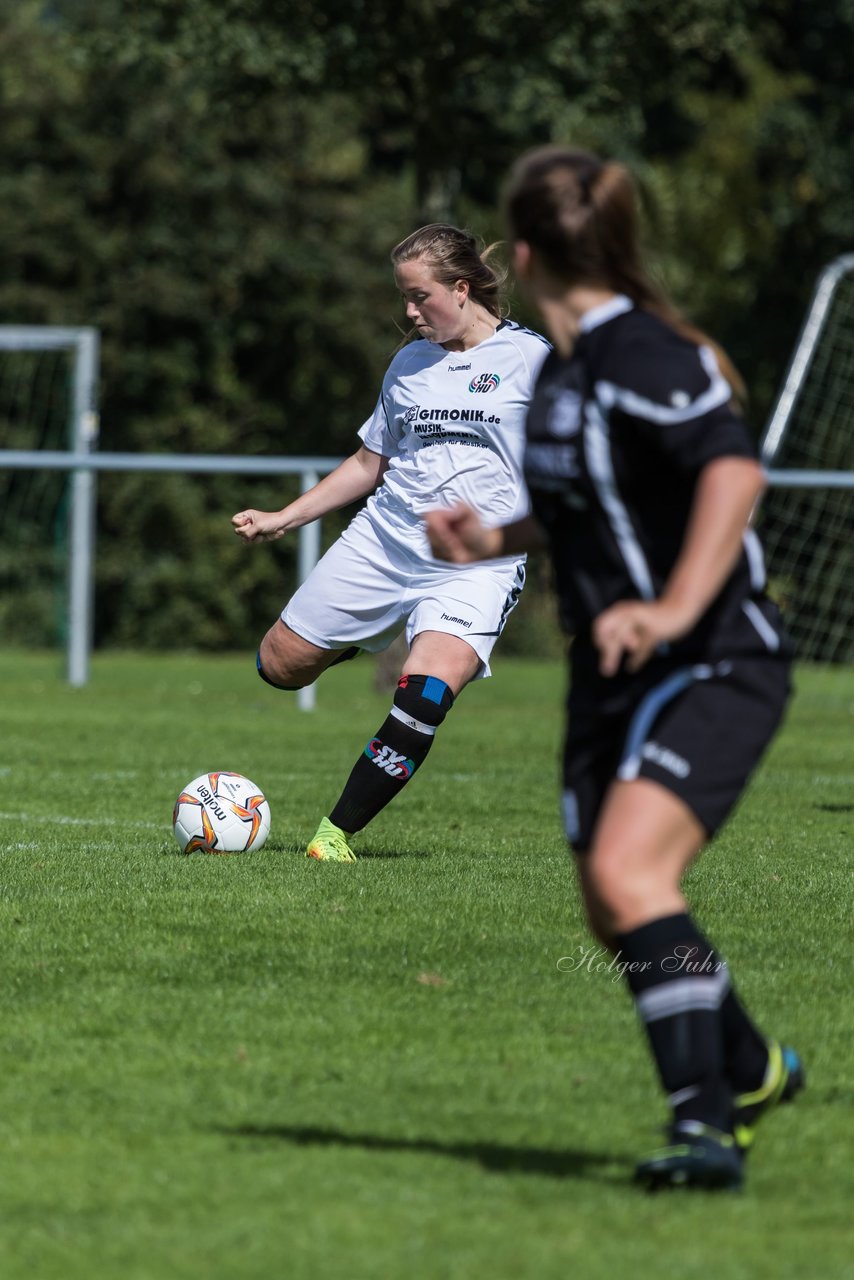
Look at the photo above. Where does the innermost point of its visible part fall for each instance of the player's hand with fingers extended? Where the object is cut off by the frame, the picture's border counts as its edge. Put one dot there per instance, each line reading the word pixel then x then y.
pixel 258 526
pixel 633 629
pixel 457 534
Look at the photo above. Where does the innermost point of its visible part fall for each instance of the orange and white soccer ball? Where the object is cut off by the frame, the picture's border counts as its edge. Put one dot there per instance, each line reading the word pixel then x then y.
pixel 221 813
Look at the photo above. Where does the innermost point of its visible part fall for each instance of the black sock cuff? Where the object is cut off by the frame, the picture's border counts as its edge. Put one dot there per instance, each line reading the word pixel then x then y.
pixel 666 950
pixel 658 933
pixel 425 698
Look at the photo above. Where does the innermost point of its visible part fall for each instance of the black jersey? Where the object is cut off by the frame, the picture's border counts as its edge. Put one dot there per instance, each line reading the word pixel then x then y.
pixel 616 437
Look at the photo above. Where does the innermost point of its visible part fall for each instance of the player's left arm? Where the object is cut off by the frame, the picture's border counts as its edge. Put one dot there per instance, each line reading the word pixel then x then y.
pixel 726 492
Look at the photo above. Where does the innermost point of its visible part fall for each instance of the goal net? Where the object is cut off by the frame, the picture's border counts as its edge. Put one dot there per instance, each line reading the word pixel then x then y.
pixel 35 400
pixel 47 408
pixel 807 518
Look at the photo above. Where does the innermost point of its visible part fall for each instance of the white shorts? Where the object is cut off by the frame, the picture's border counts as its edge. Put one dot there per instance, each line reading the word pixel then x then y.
pixel 372 582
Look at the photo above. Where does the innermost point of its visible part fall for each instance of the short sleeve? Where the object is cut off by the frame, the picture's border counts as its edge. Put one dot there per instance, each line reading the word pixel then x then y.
pixel 679 400
pixel 375 434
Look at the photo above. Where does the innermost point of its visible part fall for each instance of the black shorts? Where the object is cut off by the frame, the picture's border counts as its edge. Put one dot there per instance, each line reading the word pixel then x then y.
pixel 697 729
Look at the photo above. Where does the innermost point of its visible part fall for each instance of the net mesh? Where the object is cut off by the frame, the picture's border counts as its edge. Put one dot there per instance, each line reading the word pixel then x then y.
pixel 35 404
pixel 808 533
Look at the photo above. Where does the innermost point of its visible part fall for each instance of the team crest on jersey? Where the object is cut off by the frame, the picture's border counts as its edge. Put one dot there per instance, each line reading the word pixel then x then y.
pixel 565 415
pixel 484 382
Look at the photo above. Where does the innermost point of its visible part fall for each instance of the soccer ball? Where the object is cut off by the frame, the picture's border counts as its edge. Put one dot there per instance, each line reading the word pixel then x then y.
pixel 221 813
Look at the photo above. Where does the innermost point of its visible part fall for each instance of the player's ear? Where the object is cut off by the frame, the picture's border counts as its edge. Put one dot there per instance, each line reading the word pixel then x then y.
pixel 521 259
pixel 461 291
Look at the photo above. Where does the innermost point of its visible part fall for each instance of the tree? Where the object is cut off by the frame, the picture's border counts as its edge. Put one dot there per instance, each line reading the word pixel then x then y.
pixel 216 185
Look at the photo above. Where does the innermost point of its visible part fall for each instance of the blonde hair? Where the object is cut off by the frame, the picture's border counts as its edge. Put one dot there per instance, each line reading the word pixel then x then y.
pixel 454 255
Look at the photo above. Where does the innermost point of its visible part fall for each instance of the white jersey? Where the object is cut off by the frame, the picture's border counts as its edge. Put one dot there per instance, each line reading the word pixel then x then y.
pixel 452 424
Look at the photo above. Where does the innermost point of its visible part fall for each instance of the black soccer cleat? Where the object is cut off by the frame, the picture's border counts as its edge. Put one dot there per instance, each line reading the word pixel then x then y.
pixel 698 1156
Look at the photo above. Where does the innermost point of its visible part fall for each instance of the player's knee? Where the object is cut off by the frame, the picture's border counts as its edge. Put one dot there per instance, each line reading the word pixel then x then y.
pixel 268 677
pixel 422 701
pixel 615 894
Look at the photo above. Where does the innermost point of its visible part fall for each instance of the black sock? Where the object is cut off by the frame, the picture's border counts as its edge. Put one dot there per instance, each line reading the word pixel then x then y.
pixel 745 1049
pixel 400 746
pixel 387 763
pixel 679 984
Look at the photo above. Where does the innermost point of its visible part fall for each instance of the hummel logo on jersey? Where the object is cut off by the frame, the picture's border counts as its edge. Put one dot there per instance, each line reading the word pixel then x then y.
pixel 484 382
pixel 460 621
pixel 394 764
pixel 457 368
pixel 666 759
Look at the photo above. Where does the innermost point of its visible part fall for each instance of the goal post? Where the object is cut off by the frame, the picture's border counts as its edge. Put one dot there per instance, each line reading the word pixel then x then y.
pixel 76 426
pixel 308 469
pixel 807 518
pixel 54 432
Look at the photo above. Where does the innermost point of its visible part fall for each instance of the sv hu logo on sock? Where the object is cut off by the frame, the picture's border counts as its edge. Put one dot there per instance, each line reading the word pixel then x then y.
pixel 394 764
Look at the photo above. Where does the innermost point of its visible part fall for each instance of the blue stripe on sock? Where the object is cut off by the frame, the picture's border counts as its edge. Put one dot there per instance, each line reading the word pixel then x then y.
pixel 434 689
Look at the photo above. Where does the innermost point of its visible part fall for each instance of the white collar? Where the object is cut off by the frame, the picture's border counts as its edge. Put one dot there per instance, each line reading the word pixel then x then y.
pixel 615 306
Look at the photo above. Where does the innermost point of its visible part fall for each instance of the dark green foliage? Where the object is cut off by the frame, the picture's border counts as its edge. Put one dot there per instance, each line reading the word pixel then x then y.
pixel 216 187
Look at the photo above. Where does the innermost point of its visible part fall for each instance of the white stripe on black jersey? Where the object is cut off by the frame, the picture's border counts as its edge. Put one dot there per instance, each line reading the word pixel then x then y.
pixel 616 437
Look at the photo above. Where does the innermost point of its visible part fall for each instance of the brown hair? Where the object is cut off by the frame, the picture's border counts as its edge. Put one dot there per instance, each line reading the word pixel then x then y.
pixel 454 255
pixel 580 214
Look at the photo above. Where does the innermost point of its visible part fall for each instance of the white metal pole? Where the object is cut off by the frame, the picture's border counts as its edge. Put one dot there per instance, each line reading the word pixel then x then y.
pixel 81 557
pixel 802 358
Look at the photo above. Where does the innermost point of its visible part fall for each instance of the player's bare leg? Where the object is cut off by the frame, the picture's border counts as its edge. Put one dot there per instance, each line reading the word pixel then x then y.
pixel 644 841
pixel 287 660
pixel 446 657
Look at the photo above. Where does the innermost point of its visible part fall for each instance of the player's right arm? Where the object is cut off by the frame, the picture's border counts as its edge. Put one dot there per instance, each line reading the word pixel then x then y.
pixel 458 534
pixel 355 478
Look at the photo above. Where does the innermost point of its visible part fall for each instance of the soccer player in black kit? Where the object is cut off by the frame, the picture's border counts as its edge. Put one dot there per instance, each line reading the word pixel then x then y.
pixel 642 478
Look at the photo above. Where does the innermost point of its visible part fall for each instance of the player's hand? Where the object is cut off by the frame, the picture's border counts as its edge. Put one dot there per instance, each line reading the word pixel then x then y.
pixel 457 534
pixel 258 526
pixel 633 629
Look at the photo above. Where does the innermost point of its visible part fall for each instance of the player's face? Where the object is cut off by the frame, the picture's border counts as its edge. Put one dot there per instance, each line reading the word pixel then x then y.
pixel 436 310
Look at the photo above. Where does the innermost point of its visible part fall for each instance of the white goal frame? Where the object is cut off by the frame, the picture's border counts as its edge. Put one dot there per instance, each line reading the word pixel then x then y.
pixel 812 423
pixel 796 374
pixel 83 460
pixel 83 344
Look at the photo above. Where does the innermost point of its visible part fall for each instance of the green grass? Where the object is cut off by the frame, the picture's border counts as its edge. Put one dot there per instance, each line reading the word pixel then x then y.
pixel 256 1066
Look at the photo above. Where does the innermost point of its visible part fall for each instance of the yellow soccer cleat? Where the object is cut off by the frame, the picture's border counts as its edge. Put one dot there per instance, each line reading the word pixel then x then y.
pixel 784 1078
pixel 329 844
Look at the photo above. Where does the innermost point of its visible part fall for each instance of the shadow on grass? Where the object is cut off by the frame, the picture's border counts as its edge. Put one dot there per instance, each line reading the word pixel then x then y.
pixel 367 854
pixel 491 1156
pixel 362 854
pixel 835 808
pixel 290 849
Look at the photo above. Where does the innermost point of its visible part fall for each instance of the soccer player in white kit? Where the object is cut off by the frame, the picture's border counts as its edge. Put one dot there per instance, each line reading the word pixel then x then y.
pixel 448 427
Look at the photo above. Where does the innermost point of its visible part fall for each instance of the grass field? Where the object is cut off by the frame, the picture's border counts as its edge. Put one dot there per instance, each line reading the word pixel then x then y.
pixel 255 1066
